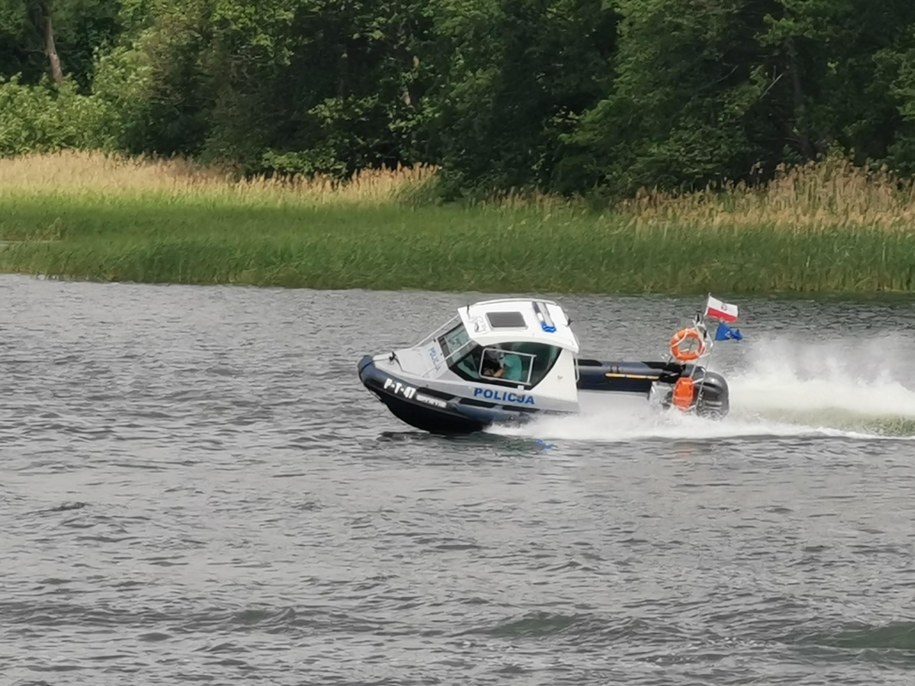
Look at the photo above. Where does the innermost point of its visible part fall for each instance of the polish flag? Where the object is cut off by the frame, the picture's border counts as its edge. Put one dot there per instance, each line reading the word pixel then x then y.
pixel 720 310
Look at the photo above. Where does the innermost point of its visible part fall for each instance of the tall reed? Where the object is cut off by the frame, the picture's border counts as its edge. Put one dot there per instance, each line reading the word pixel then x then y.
pixel 98 174
pixel 825 196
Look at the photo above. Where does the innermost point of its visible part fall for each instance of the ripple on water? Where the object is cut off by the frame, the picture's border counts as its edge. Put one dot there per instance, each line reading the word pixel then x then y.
pixel 195 488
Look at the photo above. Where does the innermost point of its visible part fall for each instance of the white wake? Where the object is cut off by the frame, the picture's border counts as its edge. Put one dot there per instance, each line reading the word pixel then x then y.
pixel 780 386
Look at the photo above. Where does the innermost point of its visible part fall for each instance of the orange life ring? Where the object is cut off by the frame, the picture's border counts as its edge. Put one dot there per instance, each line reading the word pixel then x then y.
pixel 687 345
pixel 684 394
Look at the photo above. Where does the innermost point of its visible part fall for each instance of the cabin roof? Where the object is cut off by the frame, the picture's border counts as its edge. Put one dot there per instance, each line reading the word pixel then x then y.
pixel 492 322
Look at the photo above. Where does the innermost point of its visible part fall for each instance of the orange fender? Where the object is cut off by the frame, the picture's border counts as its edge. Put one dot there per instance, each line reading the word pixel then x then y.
pixel 684 394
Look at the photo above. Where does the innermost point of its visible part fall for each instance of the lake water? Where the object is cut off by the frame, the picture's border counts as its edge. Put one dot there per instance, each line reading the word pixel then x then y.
pixel 195 487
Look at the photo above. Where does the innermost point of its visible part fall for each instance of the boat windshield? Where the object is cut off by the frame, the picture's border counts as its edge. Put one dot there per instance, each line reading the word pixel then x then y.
pixel 454 342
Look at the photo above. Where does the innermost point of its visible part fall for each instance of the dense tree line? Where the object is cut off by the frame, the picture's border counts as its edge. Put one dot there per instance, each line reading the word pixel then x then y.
pixel 560 95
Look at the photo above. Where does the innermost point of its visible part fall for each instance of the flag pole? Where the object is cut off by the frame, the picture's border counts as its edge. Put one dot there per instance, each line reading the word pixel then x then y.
pixel 710 347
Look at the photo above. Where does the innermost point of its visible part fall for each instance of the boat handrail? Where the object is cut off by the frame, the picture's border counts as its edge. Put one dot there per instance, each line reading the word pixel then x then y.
pixel 441 327
pixel 496 301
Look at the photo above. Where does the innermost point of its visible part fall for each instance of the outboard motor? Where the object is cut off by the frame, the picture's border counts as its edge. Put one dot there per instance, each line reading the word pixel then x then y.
pixel 701 391
pixel 712 395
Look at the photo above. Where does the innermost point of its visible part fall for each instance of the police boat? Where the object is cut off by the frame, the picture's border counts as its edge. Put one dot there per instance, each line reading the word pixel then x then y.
pixel 507 361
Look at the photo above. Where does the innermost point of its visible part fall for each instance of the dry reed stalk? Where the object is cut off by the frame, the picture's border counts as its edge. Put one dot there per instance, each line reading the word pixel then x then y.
pixel 825 196
pixel 78 172
pixel 819 197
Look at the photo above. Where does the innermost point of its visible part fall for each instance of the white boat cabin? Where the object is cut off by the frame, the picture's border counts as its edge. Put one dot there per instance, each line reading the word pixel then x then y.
pixel 509 351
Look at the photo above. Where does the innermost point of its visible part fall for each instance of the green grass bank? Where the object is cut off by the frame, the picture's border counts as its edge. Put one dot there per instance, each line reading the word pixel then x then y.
pixel 94 218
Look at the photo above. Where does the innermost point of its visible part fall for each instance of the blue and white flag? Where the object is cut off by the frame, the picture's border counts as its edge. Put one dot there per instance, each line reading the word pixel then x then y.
pixel 726 333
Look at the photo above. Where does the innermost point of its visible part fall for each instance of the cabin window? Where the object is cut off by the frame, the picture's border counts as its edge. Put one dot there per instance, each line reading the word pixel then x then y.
pixel 511 364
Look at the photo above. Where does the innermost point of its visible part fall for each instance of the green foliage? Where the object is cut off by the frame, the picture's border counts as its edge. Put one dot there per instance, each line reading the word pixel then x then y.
pixel 897 66
pixel 14 48
pixel 82 30
pixel 838 59
pixel 42 119
pixel 599 97
pixel 729 89
pixel 315 86
pixel 685 99
pixel 155 83
pixel 516 75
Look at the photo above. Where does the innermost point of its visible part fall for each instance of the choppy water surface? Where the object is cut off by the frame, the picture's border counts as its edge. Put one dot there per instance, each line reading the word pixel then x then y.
pixel 193 486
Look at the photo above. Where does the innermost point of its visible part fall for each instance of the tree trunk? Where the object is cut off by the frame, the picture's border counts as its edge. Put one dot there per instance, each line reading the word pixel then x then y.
pixel 50 48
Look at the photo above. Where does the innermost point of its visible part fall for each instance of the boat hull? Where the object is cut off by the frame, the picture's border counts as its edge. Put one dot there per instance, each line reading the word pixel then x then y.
pixel 437 412
pixel 431 410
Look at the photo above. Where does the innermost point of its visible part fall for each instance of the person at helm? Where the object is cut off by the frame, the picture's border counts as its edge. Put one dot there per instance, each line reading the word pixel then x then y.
pixel 500 364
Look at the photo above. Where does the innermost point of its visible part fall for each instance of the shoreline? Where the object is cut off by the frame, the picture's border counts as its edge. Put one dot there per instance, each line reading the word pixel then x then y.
pixel 93 218
pixel 347 249
pixel 882 297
